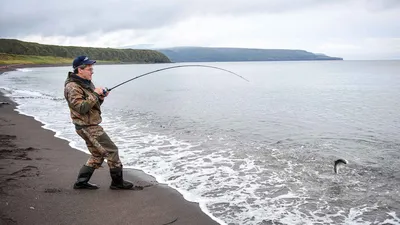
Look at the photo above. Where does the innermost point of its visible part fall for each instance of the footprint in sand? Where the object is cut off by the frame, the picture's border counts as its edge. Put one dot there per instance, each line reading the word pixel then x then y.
pixel 18 154
pixel 27 171
pixel 23 155
pixel 5 137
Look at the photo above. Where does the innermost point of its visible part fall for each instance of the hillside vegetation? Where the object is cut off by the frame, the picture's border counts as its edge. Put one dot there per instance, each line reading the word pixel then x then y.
pixel 32 59
pixel 13 49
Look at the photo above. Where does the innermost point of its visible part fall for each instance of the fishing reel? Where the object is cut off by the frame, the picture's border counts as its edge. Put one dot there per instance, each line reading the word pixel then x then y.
pixel 105 90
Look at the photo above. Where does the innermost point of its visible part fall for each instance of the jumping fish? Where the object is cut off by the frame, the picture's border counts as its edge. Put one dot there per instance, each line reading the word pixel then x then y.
pixel 337 163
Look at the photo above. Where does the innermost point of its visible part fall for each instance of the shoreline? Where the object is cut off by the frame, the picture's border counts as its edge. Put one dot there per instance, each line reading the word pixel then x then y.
pixel 31 163
pixel 12 67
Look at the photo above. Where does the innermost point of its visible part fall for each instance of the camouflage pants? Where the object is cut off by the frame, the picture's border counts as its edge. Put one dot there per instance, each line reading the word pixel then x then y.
pixel 100 146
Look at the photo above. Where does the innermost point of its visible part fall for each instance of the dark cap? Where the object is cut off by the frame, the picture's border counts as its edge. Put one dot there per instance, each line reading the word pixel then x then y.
pixel 82 60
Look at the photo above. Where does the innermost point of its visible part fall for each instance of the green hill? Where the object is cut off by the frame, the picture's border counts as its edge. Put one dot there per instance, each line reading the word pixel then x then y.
pixel 17 47
pixel 205 54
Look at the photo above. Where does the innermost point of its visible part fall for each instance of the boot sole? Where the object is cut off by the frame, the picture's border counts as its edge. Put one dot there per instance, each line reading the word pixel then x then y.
pixel 83 188
pixel 88 188
pixel 131 188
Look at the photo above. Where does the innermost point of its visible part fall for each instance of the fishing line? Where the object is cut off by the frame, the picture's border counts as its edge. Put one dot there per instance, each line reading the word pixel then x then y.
pixel 172 67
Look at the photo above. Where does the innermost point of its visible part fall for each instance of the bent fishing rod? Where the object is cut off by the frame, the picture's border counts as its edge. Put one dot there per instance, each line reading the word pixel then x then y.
pixel 172 67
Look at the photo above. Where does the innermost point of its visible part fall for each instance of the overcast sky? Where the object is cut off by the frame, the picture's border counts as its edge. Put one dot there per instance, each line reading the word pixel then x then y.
pixel 353 29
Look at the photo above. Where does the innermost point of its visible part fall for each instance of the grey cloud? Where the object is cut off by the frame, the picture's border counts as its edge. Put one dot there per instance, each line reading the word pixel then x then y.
pixel 375 5
pixel 79 18
pixel 72 18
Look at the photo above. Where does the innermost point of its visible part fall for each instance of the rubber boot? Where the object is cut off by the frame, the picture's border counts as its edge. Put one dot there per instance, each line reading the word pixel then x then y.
pixel 84 176
pixel 118 181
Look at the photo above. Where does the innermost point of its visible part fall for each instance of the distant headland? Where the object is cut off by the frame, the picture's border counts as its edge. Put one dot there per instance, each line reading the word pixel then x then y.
pixel 211 54
pixel 17 52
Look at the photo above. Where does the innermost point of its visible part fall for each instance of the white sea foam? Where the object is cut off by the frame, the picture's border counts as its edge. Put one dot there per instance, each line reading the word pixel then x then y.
pixel 394 220
pixel 26 93
pixel 24 70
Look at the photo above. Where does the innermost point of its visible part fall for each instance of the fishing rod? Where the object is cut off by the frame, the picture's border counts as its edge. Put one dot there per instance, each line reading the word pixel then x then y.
pixel 214 67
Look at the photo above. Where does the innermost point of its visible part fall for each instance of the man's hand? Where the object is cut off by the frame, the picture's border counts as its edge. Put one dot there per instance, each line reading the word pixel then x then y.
pixel 99 91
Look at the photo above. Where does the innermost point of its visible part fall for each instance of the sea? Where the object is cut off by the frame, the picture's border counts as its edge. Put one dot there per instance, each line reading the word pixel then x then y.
pixel 250 153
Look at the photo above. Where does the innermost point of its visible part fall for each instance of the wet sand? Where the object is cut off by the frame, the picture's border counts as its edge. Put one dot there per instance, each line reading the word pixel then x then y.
pixel 37 172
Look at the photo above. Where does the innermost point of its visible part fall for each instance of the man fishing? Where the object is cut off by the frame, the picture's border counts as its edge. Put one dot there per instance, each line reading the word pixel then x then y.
pixel 84 101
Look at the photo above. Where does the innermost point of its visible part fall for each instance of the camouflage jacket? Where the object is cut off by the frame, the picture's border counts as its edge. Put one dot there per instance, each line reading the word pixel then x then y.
pixel 83 102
